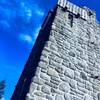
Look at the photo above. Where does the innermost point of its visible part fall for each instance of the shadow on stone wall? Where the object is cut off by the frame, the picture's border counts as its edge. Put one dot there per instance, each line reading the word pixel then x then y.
pixel 22 88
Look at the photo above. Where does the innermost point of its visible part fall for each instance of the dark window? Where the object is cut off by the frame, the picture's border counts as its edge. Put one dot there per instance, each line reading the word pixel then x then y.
pixel 65 9
pixel 78 15
pixel 70 16
pixel 90 13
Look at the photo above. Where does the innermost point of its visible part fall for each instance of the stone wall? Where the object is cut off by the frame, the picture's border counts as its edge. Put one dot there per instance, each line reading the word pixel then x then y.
pixel 69 65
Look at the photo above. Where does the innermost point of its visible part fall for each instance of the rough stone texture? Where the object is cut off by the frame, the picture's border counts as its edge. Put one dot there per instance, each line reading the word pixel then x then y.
pixel 49 97
pixel 59 70
pixel 72 54
pixel 83 75
pixel 52 72
pixel 68 60
pixel 33 87
pixel 46 89
pixel 69 72
pixel 88 97
pixel 98 96
pixel 59 97
pixel 64 87
pixel 67 96
pixel 40 94
pixel 73 83
pixel 38 80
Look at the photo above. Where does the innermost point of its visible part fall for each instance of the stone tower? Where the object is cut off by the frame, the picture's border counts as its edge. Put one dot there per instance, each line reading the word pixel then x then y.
pixel 65 61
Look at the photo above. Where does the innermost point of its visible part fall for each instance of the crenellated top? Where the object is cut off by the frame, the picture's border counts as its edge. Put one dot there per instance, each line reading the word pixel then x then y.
pixel 83 12
pixel 62 3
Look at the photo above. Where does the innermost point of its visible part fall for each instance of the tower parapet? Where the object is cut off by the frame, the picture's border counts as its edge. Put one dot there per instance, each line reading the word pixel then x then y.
pixel 82 12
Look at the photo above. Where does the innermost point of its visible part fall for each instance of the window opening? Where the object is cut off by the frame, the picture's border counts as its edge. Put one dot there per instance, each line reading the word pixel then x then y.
pixel 65 9
pixel 78 15
pixel 90 13
pixel 71 19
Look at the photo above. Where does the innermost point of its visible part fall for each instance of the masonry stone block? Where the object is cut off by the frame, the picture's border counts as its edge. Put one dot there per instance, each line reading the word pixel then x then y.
pixel 64 87
pixel 46 89
pixel 59 97
pixel 38 81
pixel 69 72
pixel 73 83
pixel 67 96
pixel 51 85
pixel 44 76
pixel 33 87
pixel 88 86
pixel 88 97
pixel 52 72
pixel 60 69
pixel 71 53
pixel 40 94
pixel 48 97
pixel 83 75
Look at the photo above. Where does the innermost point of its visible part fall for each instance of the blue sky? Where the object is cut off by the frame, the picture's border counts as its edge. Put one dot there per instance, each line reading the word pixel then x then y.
pixel 20 21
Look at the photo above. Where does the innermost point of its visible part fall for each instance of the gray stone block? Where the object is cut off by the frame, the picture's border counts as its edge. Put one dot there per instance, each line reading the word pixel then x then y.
pixel 59 70
pixel 33 87
pixel 73 83
pixel 83 75
pixel 88 86
pixel 64 87
pixel 59 97
pixel 51 85
pixel 88 97
pixel 69 72
pixel 67 96
pixel 71 53
pixel 44 76
pixel 48 97
pixel 38 80
pixel 40 94
pixel 56 79
pixel 55 91
pixel 52 72
pixel 46 89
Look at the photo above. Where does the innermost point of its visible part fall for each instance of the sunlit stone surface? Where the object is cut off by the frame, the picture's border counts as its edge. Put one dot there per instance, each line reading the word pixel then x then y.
pixel 67 61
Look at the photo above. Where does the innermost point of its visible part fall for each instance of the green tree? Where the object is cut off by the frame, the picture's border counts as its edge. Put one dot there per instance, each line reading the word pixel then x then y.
pixel 2 86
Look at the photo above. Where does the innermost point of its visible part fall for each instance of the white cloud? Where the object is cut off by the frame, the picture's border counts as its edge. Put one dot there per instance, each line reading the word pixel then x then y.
pixel 37 32
pixel 39 12
pixel 5 24
pixel 28 10
pixel 26 38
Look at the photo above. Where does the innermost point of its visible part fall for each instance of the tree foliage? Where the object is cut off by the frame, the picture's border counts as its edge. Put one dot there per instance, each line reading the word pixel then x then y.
pixel 2 86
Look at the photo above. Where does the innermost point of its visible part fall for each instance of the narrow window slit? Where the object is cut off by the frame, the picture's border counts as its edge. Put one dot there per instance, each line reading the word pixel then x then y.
pixel 78 15
pixel 65 9
pixel 71 19
pixel 90 13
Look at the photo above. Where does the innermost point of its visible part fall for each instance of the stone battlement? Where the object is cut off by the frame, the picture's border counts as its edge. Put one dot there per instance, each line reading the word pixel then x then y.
pixel 82 12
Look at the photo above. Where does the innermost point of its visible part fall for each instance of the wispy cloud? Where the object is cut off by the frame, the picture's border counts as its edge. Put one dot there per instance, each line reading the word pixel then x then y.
pixel 35 34
pixel 29 39
pixel 28 10
pixel 4 24
pixel 26 38
pixel 39 12
pixel 31 14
